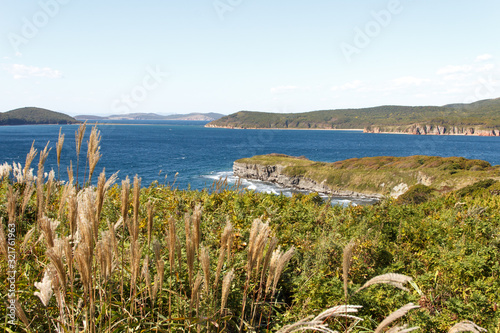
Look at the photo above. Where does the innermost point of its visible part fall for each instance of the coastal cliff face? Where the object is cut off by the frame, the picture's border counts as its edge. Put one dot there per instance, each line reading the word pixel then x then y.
pixel 274 174
pixel 418 129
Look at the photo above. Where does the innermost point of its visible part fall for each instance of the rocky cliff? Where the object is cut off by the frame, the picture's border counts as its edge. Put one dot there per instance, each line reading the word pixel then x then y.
pixel 423 129
pixel 274 174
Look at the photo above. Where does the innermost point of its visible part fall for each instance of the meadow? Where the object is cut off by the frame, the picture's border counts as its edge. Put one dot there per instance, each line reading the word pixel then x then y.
pixel 123 257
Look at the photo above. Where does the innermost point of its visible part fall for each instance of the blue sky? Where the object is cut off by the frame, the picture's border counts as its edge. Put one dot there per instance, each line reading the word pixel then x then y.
pixel 109 57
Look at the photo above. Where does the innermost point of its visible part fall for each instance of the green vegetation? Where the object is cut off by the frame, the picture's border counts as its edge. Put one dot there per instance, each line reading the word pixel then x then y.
pixel 479 115
pixel 379 175
pixel 35 116
pixel 111 258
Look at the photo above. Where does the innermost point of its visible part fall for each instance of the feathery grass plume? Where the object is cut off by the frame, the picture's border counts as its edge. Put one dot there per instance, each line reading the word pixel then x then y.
pixel 220 263
pixel 29 159
pixel 69 169
pixel 196 221
pixel 393 279
pixel 27 194
pixel 5 170
pixel 259 234
pixel 40 180
pixel 195 293
pixel 44 288
pixel 150 209
pixel 226 288
pixel 147 277
pixel 4 248
pixel 93 150
pixel 59 146
pixel 20 313
pixel 158 281
pixel 466 326
pixel 105 254
pixel 346 264
pixel 267 260
pixel 79 134
pixel 205 266
pixel 190 246
pixel 227 238
pixel 12 204
pixel 395 315
pixel 137 193
pixel 56 260
pixel 72 201
pixel 282 262
pixel 157 250
pixel 171 242
pixel 26 239
pixel 318 323
pixel 45 225
pixel 49 188
pixel 63 199
pixel 402 329
pixel 100 193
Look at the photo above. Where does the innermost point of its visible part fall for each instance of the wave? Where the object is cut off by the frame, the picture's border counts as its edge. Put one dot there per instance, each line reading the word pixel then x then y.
pixel 271 188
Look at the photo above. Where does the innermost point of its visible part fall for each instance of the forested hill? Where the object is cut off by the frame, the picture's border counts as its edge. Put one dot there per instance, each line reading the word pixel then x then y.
pixel 35 116
pixel 474 118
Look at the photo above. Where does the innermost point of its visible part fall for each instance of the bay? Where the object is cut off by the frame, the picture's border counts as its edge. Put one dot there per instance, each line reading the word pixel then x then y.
pixel 199 155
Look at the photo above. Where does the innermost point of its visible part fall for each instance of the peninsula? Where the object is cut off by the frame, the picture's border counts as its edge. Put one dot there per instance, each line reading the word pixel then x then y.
pixel 368 176
pixel 480 118
pixel 35 116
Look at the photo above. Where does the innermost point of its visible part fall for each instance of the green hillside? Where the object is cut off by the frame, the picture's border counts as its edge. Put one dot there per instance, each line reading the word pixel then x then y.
pixel 481 115
pixel 35 116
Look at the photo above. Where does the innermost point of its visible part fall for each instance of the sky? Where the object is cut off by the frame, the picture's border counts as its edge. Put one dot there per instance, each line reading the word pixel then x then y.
pixel 116 57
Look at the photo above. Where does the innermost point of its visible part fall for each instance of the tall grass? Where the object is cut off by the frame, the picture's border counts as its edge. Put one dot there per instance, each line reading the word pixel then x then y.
pixel 94 261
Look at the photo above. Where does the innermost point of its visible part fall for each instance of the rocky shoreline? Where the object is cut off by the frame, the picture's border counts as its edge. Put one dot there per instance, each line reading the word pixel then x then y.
pixel 274 174
pixel 418 129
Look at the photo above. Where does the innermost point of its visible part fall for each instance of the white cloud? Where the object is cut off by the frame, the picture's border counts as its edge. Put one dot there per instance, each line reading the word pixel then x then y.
pixel 410 81
pixel 484 57
pixel 19 71
pixel 353 85
pixel 451 69
pixel 283 89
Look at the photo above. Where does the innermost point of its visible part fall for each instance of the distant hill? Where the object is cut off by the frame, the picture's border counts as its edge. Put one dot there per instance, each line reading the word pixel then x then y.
pixel 153 116
pixel 479 118
pixel 35 116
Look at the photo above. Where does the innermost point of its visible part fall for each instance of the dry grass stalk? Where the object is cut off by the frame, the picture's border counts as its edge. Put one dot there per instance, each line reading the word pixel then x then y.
pixel 12 204
pixel 195 293
pixel 346 264
pixel 93 150
pixel 124 212
pixel 29 159
pixel 49 187
pixel 147 277
pixel 171 242
pixel 394 316
pixel 150 209
pixel 4 248
pixel 56 260
pixel 190 246
pixel 71 178
pixel 196 222
pixel 259 234
pixel 281 263
pixel 40 181
pixel 158 283
pixel 227 238
pixel 267 260
pixel 100 193
pixel 318 323
pixel 466 326
pixel 72 201
pixel 20 313
pixel 83 259
pixel 105 254
pixel 79 134
pixel 48 233
pixel 26 239
pixel 133 227
pixel 393 279
pixel 402 329
pixel 220 263
pixel 27 194
pixel 136 202
pixel 59 146
pixel 205 266
pixel 226 288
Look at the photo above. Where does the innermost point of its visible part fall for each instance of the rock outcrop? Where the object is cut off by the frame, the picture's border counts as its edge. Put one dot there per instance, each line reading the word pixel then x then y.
pixel 274 174
pixel 422 129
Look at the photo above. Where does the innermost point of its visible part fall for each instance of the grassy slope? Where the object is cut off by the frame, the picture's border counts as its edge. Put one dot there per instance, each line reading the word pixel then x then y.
pixel 32 115
pixel 379 175
pixel 483 114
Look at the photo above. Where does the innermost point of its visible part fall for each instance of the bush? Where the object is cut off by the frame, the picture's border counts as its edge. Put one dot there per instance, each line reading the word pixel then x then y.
pixel 416 194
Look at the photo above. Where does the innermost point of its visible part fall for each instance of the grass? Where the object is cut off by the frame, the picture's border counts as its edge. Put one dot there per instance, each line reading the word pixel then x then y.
pixel 111 258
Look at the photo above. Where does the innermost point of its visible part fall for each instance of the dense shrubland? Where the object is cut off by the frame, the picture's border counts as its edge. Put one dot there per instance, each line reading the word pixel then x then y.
pixel 115 258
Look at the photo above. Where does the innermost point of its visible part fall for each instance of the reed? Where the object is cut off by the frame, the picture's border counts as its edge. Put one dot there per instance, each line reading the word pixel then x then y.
pixel 59 146
pixel 79 134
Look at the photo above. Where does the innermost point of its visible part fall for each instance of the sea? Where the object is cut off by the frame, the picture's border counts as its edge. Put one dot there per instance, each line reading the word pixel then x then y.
pixel 187 155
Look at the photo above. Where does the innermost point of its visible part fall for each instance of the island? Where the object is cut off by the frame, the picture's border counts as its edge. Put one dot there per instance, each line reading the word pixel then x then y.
pixel 480 118
pixel 35 116
pixel 368 176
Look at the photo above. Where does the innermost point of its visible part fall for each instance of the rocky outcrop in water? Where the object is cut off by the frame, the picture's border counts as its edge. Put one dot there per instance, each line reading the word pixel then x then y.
pixel 274 174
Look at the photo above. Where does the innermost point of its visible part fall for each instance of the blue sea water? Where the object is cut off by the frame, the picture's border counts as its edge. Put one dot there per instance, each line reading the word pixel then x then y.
pixel 199 155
